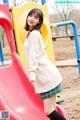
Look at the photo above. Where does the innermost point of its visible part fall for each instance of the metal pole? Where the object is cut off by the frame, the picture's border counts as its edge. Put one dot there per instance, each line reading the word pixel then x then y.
pixel 5 1
pixel 1 54
pixel 43 2
pixel 75 38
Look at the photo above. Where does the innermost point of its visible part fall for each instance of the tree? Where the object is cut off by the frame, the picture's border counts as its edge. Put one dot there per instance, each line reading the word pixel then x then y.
pixel 63 13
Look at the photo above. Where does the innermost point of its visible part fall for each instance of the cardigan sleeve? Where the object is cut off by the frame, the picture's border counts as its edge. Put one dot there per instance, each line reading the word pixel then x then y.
pixel 33 54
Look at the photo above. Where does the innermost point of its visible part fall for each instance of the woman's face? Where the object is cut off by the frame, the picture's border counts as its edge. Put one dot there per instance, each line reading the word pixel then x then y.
pixel 33 20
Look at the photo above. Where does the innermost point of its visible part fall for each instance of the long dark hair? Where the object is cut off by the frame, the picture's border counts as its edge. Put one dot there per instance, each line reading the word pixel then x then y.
pixel 40 14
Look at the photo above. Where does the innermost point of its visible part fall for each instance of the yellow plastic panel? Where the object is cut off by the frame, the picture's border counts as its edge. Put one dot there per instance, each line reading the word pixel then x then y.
pixel 19 15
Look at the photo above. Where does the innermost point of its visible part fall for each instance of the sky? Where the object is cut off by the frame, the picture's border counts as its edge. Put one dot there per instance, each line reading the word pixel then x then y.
pixel 50 4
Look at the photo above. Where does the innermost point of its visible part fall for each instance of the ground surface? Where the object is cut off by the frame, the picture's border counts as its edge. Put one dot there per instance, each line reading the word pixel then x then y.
pixel 65 49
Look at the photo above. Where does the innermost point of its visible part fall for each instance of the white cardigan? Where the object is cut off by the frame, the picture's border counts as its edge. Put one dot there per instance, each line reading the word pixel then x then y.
pixel 42 70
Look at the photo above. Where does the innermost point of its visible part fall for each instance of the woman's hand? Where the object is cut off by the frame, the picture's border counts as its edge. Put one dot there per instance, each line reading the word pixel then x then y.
pixel 33 82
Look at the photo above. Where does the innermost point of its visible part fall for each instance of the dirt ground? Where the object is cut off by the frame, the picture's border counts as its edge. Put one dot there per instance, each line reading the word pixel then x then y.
pixel 65 49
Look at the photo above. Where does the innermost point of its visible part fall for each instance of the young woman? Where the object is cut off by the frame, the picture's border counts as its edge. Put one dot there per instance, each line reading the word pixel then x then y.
pixel 44 75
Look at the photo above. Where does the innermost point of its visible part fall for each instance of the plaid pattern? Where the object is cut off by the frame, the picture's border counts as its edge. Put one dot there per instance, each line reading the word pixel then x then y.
pixel 52 92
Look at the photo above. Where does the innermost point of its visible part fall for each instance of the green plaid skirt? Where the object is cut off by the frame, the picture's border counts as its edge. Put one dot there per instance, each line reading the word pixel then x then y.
pixel 52 92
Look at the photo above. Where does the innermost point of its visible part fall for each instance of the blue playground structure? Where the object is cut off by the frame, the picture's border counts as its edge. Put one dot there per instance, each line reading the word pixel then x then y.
pixel 5 1
pixel 43 2
pixel 1 54
pixel 75 38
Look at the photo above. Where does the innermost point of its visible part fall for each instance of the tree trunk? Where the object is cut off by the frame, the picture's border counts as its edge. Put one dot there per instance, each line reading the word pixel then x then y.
pixel 66 30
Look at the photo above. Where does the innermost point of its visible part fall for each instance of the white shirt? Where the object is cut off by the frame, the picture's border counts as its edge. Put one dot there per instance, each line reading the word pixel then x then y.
pixel 41 69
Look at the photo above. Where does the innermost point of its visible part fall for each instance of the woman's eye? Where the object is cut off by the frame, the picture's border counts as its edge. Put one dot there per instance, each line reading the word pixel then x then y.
pixel 36 17
pixel 30 15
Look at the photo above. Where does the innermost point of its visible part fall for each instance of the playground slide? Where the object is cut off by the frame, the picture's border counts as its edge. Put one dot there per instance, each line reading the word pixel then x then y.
pixel 17 93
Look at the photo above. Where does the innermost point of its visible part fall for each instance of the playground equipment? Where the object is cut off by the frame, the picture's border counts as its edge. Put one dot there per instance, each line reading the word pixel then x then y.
pixel 1 54
pixel 75 38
